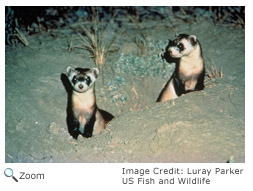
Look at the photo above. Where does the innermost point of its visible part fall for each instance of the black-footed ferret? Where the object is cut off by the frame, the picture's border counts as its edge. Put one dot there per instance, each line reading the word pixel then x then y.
pixel 190 69
pixel 83 114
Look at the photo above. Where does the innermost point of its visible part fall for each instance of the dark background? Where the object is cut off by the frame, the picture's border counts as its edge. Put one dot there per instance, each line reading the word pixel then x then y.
pixel 37 19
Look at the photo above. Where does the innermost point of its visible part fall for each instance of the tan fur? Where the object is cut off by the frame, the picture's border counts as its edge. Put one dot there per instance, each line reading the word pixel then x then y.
pixel 85 116
pixel 82 108
pixel 83 101
pixel 100 123
pixel 190 66
pixel 169 92
pixel 84 105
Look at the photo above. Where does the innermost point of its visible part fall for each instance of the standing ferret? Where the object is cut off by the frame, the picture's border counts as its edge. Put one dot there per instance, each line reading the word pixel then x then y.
pixel 190 69
pixel 84 117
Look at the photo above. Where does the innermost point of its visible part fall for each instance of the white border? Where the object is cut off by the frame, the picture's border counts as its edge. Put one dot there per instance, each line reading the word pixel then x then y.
pixel 108 176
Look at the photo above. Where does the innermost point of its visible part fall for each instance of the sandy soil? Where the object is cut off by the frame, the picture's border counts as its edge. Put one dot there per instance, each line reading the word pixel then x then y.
pixel 205 126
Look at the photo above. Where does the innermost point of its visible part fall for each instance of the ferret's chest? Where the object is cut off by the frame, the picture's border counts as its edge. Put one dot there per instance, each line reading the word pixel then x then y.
pixel 83 105
pixel 190 67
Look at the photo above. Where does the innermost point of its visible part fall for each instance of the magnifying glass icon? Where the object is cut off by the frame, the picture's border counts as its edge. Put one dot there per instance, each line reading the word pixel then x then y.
pixel 8 172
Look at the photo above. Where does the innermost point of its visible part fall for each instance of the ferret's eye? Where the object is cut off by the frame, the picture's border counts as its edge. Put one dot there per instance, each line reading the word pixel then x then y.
pixel 87 80
pixel 74 80
pixel 180 46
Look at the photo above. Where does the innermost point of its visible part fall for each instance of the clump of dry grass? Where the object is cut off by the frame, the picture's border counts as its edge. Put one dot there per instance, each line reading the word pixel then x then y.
pixel 93 39
pixel 93 42
pixel 21 37
pixel 213 72
pixel 141 42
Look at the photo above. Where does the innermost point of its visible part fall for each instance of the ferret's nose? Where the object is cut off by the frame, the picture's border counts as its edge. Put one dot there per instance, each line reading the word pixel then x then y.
pixel 170 51
pixel 80 86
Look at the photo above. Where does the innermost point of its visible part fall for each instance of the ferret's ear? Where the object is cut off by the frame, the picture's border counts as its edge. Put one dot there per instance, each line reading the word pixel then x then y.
pixel 193 40
pixel 171 43
pixel 70 70
pixel 95 71
pixel 176 35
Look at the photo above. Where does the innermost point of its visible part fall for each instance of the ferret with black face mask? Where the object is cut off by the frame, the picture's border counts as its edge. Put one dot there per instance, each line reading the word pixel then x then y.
pixel 190 69
pixel 84 116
